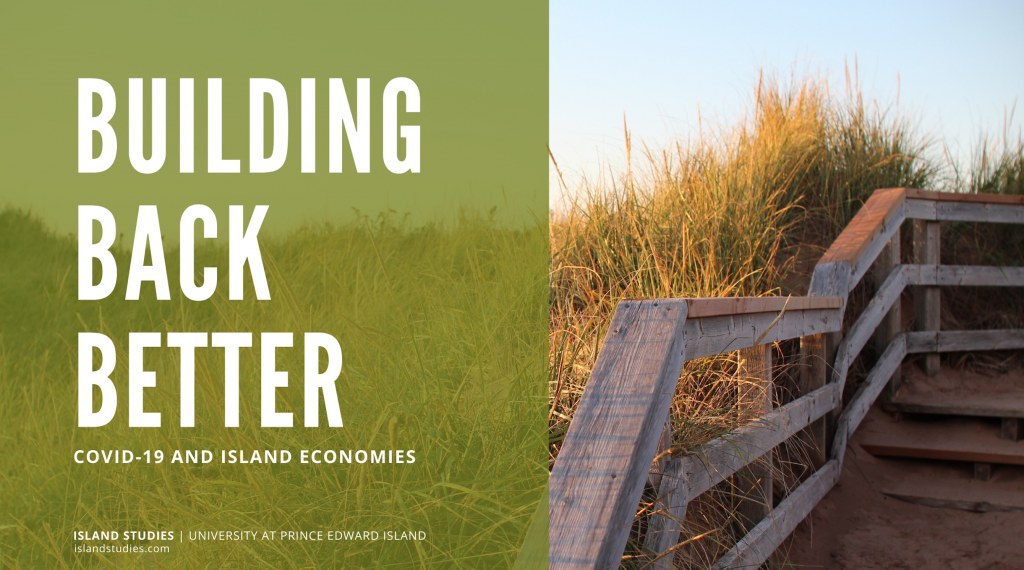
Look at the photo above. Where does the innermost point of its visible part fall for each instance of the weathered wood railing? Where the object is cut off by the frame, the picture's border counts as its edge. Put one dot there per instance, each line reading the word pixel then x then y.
pixel 622 422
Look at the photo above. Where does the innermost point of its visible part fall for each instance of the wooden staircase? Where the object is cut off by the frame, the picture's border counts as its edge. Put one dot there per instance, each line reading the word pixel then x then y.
pixel 959 417
pixel 618 448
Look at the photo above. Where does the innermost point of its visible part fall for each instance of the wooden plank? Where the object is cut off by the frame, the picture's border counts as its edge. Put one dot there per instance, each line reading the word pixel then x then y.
pixel 831 279
pixel 963 341
pixel 716 335
pixel 866 395
pixel 960 393
pixel 911 495
pixel 926 299
pixel 972 401
pixel 951 439
pixel 946 206
pixel 988 213
pixel 960 493
pixel 978 198
pixel 701 307
pixel 869 231
pixel 758 544
pixel 965 212
pixel 597 481
pixel 885 299
pixel 965 275
pixel 892 323
pixel 920 209
pixel 720 458
pixel 754 397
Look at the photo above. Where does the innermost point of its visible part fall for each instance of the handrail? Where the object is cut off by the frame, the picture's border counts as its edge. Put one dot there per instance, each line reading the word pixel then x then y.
pixel 605 460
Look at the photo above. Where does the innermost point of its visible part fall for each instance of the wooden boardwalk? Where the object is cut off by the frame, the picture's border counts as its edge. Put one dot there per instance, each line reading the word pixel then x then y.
pixel 616 444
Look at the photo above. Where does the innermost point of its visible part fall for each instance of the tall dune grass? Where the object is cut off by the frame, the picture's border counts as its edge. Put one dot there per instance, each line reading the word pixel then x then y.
pixel 441 356
pixel 731 214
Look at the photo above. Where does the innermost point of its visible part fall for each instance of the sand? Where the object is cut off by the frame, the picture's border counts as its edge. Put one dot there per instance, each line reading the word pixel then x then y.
pixel 856 526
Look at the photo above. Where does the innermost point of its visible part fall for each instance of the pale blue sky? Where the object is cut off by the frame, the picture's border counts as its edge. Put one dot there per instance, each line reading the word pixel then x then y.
pixel 956 67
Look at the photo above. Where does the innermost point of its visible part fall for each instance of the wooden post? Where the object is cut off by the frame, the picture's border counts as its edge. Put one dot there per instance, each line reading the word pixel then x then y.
pixel 982 471
pixel 665 523
pixel 891 324
pixel 815 359
pixel 1010 429
pixel 754 399
pixel 664 443
pixel 926 299
pixel 606 457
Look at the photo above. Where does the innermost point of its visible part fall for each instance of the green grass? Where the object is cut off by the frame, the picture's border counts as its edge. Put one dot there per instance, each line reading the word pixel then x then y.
pixel 442 340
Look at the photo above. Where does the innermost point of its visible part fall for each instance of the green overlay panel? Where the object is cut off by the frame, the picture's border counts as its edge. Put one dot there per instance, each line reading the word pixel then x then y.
pixel 423 263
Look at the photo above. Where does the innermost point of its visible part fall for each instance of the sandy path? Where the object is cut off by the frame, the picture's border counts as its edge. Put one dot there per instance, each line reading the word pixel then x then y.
pixel 857 527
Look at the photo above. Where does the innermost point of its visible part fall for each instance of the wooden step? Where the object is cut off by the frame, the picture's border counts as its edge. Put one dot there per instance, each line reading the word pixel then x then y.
pixel 1005 492
pixel 949 439
pixel 961 394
